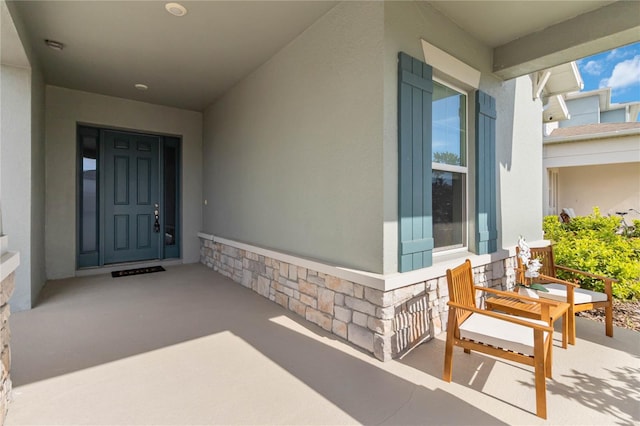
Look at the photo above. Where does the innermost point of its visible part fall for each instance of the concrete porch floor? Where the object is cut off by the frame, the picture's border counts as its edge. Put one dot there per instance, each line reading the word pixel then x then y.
pixel 190 347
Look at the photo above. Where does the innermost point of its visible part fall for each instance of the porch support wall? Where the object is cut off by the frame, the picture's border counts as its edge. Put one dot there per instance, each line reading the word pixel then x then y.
pixel 15 172
pixel 7 286
pixel 22 152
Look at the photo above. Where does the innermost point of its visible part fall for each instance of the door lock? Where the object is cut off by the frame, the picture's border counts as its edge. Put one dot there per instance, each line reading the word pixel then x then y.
pixel 156 224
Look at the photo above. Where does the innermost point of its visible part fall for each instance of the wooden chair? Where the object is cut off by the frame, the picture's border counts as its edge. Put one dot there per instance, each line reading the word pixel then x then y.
pixel 578 298
pixel 523 340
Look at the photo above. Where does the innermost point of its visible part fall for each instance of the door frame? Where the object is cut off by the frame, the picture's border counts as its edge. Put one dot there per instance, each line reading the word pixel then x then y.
pixel 95 258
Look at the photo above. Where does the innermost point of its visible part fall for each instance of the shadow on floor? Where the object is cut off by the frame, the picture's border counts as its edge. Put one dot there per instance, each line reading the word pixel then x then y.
pixel 88 322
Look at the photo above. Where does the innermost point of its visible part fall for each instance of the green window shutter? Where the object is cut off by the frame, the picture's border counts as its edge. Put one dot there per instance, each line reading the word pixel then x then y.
pixel 415 223
pixel 486 233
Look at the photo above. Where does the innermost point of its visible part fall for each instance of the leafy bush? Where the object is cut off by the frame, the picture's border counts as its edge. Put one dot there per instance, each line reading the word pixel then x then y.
pixel 636 228
pixel 590 244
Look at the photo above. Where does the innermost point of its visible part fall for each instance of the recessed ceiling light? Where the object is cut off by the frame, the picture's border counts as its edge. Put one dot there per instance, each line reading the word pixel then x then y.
pixel 55 45
pixel 175 9
pixel 141 86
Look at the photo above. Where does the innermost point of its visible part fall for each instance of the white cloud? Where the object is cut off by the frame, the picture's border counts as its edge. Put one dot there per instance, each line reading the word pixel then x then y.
pixel 617 54
pixel 592 67
pixel 624 74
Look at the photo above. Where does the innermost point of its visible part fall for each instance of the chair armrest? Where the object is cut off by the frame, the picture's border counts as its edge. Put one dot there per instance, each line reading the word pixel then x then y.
pixel 587 274
pixel 499 316
pixel 608 282
pixel 569 286
pixel 515 295
pixel 550 279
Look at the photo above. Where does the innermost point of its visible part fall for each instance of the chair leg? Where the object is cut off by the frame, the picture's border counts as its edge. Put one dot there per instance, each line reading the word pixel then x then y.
pixel 572 327
pixel 549 358
pixel 565 329
pixel 540 356
pixel 448 350
pixel 608 312
pixel 448 361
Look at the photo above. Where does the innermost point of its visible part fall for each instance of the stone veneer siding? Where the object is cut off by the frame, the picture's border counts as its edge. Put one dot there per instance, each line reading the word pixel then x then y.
pixel 6 290
pixel 385 323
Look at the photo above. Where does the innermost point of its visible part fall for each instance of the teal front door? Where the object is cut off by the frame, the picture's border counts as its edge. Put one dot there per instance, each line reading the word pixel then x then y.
pixel 131 197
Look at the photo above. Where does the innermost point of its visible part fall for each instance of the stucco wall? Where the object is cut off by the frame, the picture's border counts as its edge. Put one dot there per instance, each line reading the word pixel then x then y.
pixel 65 108
pixel 23 105
pixel 519 135
pixel 611 187
pixel 293 153
pixel 518 129
pixel 15 173
pixel 309 141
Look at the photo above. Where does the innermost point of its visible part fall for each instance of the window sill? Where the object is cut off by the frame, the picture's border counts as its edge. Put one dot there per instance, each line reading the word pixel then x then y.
pixel 442 262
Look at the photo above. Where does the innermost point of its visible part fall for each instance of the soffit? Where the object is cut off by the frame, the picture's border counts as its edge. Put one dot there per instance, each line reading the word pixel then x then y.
pixel 11 51
pixel 190 61
pixel 187 62
pixel 565 78
pixel 496 23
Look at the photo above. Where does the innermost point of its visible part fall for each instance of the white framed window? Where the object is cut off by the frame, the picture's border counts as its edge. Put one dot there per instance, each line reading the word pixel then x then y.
pixel 449 164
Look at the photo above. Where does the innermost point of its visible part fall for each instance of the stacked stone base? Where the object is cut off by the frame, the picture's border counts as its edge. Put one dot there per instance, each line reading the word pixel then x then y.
pixel 6 289
pixel 385 323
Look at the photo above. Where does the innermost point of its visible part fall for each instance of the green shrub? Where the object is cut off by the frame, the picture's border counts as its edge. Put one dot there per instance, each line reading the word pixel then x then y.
pixel 636 228
pixel 590 244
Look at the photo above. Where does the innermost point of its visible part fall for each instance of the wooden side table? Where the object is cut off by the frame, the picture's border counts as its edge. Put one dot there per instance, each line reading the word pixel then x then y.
pixel 515 306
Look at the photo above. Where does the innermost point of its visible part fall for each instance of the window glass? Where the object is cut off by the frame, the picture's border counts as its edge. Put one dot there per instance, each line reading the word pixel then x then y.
pixel 449 126
pixel 448 209
pixel 170 195
pixel 89 212
pixel 448 185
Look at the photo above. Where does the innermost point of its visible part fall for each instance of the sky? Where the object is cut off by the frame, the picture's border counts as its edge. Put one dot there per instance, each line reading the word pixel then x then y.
pixel 618 68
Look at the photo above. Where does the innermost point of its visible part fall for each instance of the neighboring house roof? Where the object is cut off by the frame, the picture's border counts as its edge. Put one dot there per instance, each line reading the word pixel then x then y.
pixel 592 144
pixel 593 130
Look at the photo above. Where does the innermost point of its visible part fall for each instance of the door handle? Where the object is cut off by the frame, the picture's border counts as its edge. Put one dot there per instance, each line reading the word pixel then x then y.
pixel 156 224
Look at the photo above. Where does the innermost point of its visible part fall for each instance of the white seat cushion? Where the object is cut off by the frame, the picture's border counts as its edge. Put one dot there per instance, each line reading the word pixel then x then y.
pixel 559 292
pixel 500 333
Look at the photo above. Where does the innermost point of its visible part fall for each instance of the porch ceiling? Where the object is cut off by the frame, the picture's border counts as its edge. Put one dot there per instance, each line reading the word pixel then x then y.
pixel 188 62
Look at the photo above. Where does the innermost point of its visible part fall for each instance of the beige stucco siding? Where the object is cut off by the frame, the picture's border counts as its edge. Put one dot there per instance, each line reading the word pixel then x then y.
pixel 293 153
pixel 64 109
pixel 610 187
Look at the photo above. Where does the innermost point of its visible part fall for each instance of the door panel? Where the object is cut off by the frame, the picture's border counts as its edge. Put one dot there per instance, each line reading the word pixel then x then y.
pixel 131 191
pixel 120 180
